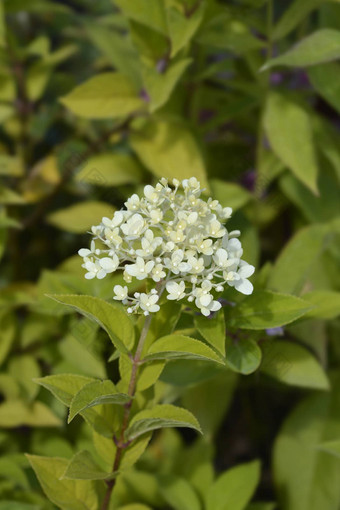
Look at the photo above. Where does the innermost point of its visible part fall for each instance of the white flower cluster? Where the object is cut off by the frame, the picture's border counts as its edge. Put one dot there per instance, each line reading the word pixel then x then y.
pixel 175 239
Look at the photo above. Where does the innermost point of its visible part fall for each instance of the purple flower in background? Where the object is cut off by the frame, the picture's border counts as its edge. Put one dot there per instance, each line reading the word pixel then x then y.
pixel 275 331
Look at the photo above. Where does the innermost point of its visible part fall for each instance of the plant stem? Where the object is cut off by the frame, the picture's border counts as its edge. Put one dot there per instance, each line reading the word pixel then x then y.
pixel 127 410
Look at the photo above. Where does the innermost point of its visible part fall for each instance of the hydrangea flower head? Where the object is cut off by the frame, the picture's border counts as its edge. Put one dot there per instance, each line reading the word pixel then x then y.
pixel 174 239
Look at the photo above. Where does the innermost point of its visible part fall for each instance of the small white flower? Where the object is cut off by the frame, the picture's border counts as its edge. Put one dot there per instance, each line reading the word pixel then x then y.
pixel 109 264
pixel 140 269
pixel 175 290
pixel 112 236
pixel 156 216
pixel 152 194
pixel 148 302
pixel 241 283
pixel 134 226
pixel 117 219
pixel 221 258
pixel 205 246
pixel 207 307
pixel 157 273
pixel 176 264
pixel 121 292
pixel 94 270
pixel 177 236
pixel 197 265
pixel 149 244
pixel 215 229
pixel 133 203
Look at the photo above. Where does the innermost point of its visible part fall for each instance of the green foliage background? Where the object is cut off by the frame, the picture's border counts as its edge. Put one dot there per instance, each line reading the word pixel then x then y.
pixel 97 99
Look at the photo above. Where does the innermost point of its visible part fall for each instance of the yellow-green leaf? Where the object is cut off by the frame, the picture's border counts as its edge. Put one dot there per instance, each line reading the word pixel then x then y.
pixel 169 150
pixel 317 48
pixel 66 494
pixel 161 416
pixel 110 169
pixel 108 95
pixel 79 218
pixel 289 130
pixel 293 364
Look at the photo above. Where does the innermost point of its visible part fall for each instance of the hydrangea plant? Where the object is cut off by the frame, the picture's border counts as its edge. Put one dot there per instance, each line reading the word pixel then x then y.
pixel 174 239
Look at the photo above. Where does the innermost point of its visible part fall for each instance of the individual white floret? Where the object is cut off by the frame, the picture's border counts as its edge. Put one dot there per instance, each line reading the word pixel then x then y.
pixel 175 290
pixel 140 269
pixel 109 264
pixel 176 263
pixel 117 219
pixel 133 203
pixel 94 270
pixel 121 292
pixel 197 265
pixel 134 226
pixel 157 274
pixel 148 302
pixel 149 244
pixel 241 282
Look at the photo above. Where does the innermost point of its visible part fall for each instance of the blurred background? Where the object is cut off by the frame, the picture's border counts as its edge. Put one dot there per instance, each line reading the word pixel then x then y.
pixel 99 98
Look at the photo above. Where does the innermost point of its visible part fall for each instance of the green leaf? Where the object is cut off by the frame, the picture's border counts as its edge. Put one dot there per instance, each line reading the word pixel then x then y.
pixel 234 488
pixel 326 304
pixel 159 86
pixel 24 369
pixel 108 169
pixel 169 150
pixel 173 347
pixel 110 317
pixel 292 364
pixel 163 322
pixel 227 34
pixel 8 331
pixel 178 493
pixel 133 452
pixel 133 506
pixel 79 218
pixel 265 309
pixel 147 374
pixel 325 79
pixel 66 494
pixel 16 413
pixel 108 95
pixel 229 194
pixel 2 25
pixel 11 165
pixel 201 400
pixel 117 48
pixel 10 197
pixel 289 130
pixel 243 355
pixel 96 393
pixel 182 27
pixel 307 478
pixel 293 266
pixel 83 467
pixel 332 447
pixel 160 416
pixel 212 330
pixel 293 15
pixel 37 80
pixel 317 48
pixel 316 209
pixel 148 12
pixel 64 386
